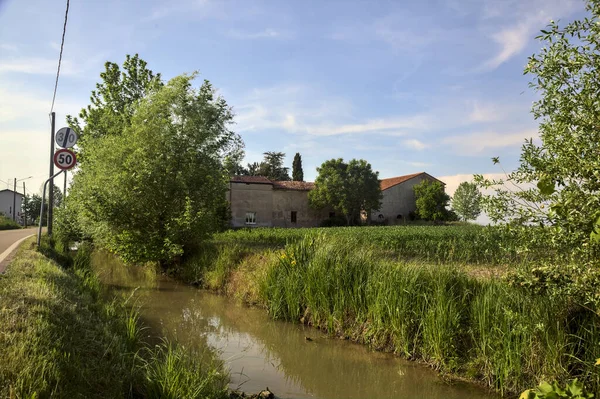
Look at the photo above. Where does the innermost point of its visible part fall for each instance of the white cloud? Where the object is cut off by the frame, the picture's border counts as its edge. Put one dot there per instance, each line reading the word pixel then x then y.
pixel 264 34
pixel 36 66
pixel 478 143
pixel 8 47
pixel 530 17
pixel 415 144
pixel 483 113
pixel 512 41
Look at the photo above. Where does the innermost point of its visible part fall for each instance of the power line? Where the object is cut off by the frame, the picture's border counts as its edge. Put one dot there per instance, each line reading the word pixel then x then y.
pixel 62 43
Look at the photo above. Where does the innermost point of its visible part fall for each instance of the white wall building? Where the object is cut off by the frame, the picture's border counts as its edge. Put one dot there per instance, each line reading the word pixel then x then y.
pixel 6 204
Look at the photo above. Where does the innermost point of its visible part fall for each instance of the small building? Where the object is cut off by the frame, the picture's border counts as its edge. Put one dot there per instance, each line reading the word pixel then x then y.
pixel 256 201
pixel 11 204
pixel 399 197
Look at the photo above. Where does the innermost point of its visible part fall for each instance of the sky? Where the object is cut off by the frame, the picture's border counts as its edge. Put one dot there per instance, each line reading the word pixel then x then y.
pixel 409 86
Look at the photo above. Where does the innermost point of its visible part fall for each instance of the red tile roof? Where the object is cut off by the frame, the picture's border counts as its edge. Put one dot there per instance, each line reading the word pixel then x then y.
pixel 393 181
pixel 251 179
pixel 293 185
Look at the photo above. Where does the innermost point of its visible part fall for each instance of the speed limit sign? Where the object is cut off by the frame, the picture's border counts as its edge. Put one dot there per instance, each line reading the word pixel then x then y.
pixel 64 159
pixel 66 137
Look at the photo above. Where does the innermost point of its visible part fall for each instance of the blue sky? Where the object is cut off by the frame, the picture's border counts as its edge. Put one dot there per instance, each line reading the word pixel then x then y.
pixel 410 86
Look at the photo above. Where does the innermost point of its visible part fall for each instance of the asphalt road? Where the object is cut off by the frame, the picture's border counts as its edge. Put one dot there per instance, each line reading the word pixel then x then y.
pixel 7 239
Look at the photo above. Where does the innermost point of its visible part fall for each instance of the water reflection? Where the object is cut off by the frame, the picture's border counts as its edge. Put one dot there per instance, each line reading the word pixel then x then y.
pixel 261 352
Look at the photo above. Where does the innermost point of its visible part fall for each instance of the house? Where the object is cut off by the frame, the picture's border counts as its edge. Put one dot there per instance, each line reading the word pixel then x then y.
pixel 399 197
pixel 9 202
pixel 257 201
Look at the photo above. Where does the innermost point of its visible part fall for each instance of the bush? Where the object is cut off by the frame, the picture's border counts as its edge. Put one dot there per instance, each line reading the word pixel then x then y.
pixel 8 224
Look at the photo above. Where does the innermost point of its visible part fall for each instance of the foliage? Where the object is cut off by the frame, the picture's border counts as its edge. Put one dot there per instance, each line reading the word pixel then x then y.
pixel 466 201
pixel 114 102
pixel 156 188
pixel 62 338
pixel 32 204
pixel 7 223
pixel 297 172
pixel 505 336
pixel 558 181
pixel 349 188
pixel 431 200
pixel 573 389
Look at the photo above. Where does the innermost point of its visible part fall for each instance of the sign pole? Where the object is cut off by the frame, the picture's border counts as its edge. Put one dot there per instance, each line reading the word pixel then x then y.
pixel 64 204
pixel 25 207
pixel 51 188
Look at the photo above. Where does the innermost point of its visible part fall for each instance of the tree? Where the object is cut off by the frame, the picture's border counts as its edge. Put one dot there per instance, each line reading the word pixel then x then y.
pixel 349 188
pixel 297 173
pixel 253 169
pixel 558 181
pixel 156 189
pixel 272 166
pixel 115 99
pixel 431 200
pixel 33 203
pixel 466 201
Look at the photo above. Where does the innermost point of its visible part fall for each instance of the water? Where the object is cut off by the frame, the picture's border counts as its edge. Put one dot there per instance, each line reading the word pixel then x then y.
pixel 264 353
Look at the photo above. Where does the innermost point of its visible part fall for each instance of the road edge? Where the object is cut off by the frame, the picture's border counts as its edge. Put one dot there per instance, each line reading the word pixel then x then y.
pixel 5 256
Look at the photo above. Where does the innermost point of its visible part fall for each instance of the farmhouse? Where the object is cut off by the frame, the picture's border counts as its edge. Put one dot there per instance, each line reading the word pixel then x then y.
pixel 10 201
pixel 399 198
pixel 256 201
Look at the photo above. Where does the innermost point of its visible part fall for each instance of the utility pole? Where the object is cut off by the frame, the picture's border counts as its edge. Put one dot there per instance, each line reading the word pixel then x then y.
pixel 15 200
pixel 51 188
pixel 25 207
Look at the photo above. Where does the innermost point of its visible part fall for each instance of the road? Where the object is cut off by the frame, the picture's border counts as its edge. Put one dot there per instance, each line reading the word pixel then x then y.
pixel 7 239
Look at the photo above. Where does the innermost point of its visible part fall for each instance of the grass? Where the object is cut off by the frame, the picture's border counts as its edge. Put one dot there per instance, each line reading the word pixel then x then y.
pixel 8 224
pixel 60 337
pixel 471 244
pixel 506 337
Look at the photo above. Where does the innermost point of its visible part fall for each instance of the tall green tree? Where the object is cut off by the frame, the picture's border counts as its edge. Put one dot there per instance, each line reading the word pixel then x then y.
pixel 114 100
pixel 155 189
pixel 466 201
pixel 431 200
pixel 272 166
pixel 558 181
pixel 349 188
pixel 297 172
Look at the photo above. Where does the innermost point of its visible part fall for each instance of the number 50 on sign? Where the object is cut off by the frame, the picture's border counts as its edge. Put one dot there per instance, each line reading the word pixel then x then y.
pixel 64 159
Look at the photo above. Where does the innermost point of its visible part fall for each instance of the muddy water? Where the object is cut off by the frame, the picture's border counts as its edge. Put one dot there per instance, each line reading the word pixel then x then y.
pixel 264 353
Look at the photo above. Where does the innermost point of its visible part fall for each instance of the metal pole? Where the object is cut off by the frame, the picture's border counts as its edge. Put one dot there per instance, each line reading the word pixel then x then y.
pixel 15 200
pixel 39 237
pixel 65 191
pixel 25 207
pixel 51 191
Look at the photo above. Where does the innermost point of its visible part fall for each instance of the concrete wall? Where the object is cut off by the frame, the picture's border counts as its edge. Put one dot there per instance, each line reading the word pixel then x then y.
pixel 398 200
pixel 286 201
pixel 6 204
pixel 246 197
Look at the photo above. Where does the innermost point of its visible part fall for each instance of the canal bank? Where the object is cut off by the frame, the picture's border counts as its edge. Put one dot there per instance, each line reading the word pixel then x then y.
pixel 293 360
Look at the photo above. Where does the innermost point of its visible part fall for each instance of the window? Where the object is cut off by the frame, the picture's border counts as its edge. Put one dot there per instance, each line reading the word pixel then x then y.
pixel 294 216
pixel 250 217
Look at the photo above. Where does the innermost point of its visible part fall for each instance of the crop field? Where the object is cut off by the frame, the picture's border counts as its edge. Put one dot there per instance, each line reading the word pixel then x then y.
pixel 438 244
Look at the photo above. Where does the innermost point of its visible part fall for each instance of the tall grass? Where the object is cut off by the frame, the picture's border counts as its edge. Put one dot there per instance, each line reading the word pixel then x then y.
pixel 59 337
pixel 433 244
pixel 502 335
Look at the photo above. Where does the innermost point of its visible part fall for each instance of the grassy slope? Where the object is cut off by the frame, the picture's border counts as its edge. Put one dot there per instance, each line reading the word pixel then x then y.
pixel 505 337
pixel 59 337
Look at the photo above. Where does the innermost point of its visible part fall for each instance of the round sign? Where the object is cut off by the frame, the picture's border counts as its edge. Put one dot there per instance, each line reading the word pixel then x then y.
pixel 64 159
pixel 66 137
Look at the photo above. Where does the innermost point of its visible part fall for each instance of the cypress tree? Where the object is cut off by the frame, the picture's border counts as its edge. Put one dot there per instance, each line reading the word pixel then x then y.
pixel 297 173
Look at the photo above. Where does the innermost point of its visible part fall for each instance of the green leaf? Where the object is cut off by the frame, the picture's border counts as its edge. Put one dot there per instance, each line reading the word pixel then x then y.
pixel 528 394
pixel 546 186
pixel 545 388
